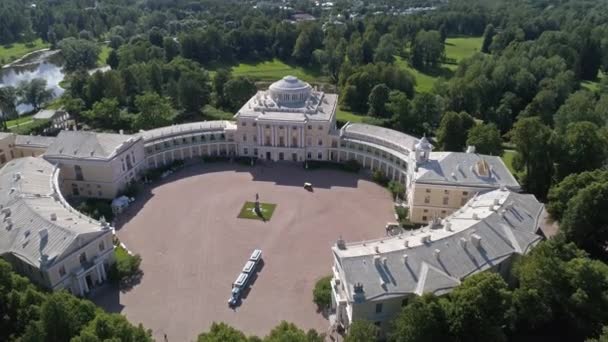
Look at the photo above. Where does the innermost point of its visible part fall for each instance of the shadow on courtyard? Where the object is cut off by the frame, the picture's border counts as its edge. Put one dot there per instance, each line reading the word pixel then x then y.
pixel 108 298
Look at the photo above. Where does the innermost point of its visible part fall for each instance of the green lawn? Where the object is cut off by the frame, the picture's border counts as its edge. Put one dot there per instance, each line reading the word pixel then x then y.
pixel 424 82
pixel 344 115
pixel 103 55
pixel 593 85
pixel 18 50
pixel 456 49
pixel 507 158
pixel 274 70
pixel 462 47
pixel 19 120
pixel 247 212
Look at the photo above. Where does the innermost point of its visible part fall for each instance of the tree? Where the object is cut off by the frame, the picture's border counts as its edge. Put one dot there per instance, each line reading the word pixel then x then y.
pixel 193 91
pixel 401 109
pixel 219 80
pixel 385 51
pixel 427 110
pixel 79 53
pixel 561 193
pixel 377 100
pixel 585 220
pixel 579 106
pixel 582 148
pixel 8 99
pixel 104 114
pixel 453 129
pixel 107 326
pixel 567 290
pixel 602 338
pixel 35 92
pixel 171 47
pixel 307 42
pixel 238 91
pixel 423 319
pixel 361 331
pixel 534 143
pixel 74 106
pixel 154 111
pixel 221 332
pixel 486 139
pixel 476 310
pixel 288 332
pixel 321 294
pixel 488 35
pixel 113 61
pixel 427 50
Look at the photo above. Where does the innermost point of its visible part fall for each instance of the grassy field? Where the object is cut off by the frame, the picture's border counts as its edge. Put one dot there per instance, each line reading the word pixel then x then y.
pixel 274 70
pixel 19 120
pixel 462 47
pixel 345 115
pixel 247 212
pixel 18 50
pixel 456 49
pixel 103 55
pixel 507 158
pixel 593 85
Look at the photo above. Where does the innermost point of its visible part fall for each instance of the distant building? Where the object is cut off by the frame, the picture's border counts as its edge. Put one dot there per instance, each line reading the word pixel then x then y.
pixel 299 17
pixel 373 280
pixel 60 119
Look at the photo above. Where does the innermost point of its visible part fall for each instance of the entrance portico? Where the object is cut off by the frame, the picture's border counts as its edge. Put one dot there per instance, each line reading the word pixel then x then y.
pixel 91 274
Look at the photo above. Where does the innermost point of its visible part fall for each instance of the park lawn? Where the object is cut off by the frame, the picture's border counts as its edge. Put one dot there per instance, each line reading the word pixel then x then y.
pixel 462 47
pixel 507 158
pixel 424 82
pixel 103 55
pixel 274 70
pixel 15 51
pixel 247 211
pixel 344 115
pixel 19 120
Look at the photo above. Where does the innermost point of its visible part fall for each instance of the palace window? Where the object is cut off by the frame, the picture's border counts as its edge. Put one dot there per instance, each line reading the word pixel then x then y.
pixel 243 124
pixel 320 156
pixel 244 137
pixel 245 151
pixel 320 128
pixel 309 127
pixel 78 171
pixel 82 258
pixel 379 308
pixel 62 271
pixel 446 192
pixel 102 246
pixel 320 142
pixel 465 193
pixel 445 201
pixel 428 191
pixel 424 218
pixel 427 199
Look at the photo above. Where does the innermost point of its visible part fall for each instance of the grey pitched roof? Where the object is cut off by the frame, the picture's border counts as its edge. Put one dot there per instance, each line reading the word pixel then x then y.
pixel 460 168
pixel 47 113
pixel 89 145
pixel 383 136
pixel 36 225
pixel 505 223
pixel 34 141
pixel 187 128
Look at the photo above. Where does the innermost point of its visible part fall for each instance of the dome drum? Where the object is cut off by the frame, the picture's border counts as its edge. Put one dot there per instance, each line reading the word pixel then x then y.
pixel 290 90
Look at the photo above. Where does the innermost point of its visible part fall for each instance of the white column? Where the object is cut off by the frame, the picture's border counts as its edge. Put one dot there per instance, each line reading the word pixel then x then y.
pixel 301 137
pixel 99 278
pixel 103 271
pixel 274 135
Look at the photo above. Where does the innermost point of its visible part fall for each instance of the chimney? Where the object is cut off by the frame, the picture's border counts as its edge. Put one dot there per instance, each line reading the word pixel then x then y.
pixel 341 244
pixel 463 242
pixel 436 252
pixel 121 132
pixel 476 240
pixel 447 226
pixel 53 217
pixel 406 243
pixel 475 216
pixel 405 258
pixel 470 149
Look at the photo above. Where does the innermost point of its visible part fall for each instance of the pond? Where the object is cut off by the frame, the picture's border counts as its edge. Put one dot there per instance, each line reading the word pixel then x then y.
pixel 44 64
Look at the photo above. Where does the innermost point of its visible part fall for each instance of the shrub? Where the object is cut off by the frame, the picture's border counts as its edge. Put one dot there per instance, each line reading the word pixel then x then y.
pixel 322 292
pixel 132 189
pixel 379 177
pixel 352 165
pixel 245 160
pixel 212 159
pixel 126 265
pixel 96 208
pixel 396 188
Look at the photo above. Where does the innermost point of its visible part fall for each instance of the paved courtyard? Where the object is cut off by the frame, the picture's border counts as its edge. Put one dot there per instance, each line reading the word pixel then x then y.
pixel 193 245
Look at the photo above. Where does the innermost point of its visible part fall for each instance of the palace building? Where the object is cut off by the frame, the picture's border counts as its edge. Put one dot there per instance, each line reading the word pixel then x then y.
pixel 475 219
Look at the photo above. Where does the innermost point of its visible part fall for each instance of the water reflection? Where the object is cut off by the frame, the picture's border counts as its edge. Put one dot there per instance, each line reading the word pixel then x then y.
pixel 46 65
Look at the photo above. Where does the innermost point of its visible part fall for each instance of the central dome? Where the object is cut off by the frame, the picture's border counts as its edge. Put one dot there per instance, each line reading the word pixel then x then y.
pixel 290 90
